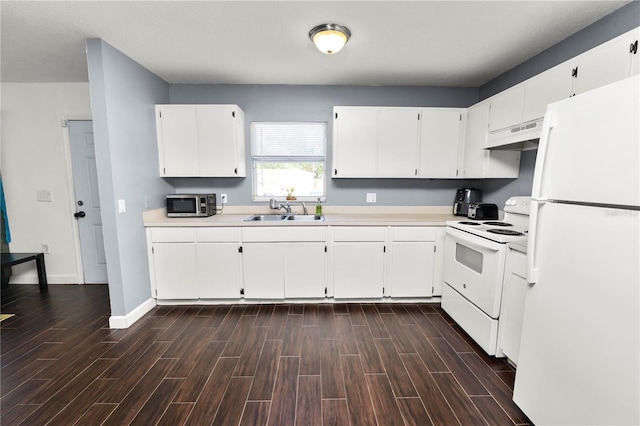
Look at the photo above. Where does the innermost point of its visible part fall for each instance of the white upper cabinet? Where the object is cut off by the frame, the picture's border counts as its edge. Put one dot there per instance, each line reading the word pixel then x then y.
pixel 506 108
pixel 442 133
pixel 370 142
pixel 201 140
pixel 607 63
pixel 550 86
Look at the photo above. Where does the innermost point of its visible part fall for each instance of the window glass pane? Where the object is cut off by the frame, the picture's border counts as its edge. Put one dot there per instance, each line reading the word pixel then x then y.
pixel 274 178
pixel 288 139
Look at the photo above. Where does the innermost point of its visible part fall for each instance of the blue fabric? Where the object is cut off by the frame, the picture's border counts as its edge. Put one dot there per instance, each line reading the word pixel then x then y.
pixel 3 208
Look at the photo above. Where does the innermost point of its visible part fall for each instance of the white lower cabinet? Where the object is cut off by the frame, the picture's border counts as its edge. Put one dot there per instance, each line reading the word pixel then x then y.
pixel 175 270
pixel 514 294
pixel 263 266
pixel 305 270
pixel 219 270
pixel 411 263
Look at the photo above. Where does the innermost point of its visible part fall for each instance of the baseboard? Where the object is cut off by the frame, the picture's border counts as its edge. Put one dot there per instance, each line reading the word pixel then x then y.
pixel 126 321
pixel 51 279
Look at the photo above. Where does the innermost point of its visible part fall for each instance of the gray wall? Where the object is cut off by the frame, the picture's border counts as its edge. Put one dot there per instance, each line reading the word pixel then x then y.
pixel 314 103
pixel 123 98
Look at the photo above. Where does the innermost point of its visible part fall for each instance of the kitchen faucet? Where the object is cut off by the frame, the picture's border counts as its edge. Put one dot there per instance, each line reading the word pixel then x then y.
pixel 286 206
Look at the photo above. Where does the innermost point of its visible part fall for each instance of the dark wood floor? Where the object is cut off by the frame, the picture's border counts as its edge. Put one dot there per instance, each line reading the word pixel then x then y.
pixel 313 364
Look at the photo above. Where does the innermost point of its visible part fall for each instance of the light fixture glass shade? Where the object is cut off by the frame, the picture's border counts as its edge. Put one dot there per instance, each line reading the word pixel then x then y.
pixel 330 38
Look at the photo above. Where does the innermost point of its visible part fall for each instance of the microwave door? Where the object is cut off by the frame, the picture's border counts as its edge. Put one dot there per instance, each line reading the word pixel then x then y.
pixel 181 206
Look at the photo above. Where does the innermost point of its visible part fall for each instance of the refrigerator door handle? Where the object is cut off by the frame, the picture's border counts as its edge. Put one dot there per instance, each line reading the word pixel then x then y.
pixel 548 123
pixel 532 270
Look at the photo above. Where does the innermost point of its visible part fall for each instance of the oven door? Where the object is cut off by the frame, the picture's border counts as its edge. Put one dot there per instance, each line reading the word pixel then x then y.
pixel 474 266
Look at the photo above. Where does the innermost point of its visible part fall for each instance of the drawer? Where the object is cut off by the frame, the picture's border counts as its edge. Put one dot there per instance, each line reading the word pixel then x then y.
pixel 518 263
pixel 365 233
pixel 218 235
pixel 173 235
pixel 412 233
pixel 285 234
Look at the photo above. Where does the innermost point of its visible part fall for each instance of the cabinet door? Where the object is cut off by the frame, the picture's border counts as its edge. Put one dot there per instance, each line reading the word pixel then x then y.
pixel 217 140
pixel 219 271
pixel 475 140
pixel 441 137
pixel 513 300
pixel 355 141
pixel 177 140
pixel 398 135
pixel 304 270
pixel 545 88
pixel 175 270
pixel 506 108
pixel 412 269
pixel 358 270
pixel 634 48
pixel 605 64
pixel 263 271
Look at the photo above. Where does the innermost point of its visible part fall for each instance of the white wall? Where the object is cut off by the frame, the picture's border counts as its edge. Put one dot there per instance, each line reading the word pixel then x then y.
pixel 35 157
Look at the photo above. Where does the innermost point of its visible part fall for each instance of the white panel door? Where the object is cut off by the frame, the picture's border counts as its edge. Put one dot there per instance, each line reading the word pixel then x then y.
pixel 263 270
pixel 358 270
pixel 398 138
pixel 85 182
pixel 412 269
pixel 304 270
pixel 441 139
pixel 475 141
pixel 355 142
pixel 175 270
pixel 506 108
pixel 177 140
pixel 217 141
pixel 219 271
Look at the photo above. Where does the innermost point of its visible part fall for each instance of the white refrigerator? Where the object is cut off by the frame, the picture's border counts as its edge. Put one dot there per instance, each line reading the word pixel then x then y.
pixel 580 350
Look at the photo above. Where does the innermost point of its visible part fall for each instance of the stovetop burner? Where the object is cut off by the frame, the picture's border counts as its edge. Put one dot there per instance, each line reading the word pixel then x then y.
pixel 470 223
pixel 498 223
pixel 504 232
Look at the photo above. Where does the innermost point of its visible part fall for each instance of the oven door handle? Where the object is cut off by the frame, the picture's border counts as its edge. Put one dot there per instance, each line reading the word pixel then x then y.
pixel 469 243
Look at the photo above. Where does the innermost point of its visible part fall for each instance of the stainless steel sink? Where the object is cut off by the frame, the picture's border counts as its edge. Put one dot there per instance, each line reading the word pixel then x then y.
pixel 305 217
pixel 281 217
pixel 266 217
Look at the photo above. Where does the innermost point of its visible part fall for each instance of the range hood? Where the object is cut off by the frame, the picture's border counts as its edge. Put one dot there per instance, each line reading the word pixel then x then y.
pixel 522 137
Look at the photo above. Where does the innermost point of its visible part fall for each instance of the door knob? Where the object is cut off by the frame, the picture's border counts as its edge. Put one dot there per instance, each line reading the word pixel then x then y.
pixel 79 214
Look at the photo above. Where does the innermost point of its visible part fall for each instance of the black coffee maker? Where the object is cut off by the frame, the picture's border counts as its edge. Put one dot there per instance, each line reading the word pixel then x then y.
pixel 464 197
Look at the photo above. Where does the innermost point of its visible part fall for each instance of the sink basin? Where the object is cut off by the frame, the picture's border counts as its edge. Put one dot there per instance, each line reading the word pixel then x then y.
pixel 305 217
pixel 266 217
pixel 281 217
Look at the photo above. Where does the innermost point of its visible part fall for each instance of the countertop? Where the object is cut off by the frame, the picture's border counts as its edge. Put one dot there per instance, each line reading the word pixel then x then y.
pixel 334 216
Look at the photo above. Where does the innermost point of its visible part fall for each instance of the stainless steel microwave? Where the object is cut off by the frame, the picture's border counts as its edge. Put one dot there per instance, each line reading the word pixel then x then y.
pixel 191 205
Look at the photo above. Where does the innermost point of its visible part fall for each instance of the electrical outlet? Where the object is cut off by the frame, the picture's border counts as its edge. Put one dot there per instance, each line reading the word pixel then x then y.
pixel 46 249
pixel 147 204
pixel 43 195
pixel 121 206
pixel 371 197
pixel 223 198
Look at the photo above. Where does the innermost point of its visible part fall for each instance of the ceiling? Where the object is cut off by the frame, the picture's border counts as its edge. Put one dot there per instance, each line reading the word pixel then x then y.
pixel 416 43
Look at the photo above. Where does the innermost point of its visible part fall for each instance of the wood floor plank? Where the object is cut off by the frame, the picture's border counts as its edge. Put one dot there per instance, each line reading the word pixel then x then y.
pixel 462 373
pixel 296 309
pixel 413 411
pixel 335 412
pixel 252 310
pixel 310 352
pixel 358 398
pixel 265 377
pixel 200 372
pixel 465 410
pixel 432 398
pixel 384 402
pixel 310 315
pixel 248 361
pixel 491 411
pixel 176 414
pixel 344 334
pixel 427 352
pixel 76 408
pixel 97 414
pixel 374 321
pixel 17 414
pixel 292 341
pixel 309 402
pixel 356 314
pixel 453 339
pixel 396 373
pixel 278 322
pixel 153 409
pixel 340 309
pixel 229 323
pixel 330 371
pixel 404 317
pixel 371 361
pixel 400 339
pixel 264 315
pixel 238 339
pixel 422 322
pixel 232 404
pixel 209 400
pixel 256 413
pixel 283 404
pixel 326 322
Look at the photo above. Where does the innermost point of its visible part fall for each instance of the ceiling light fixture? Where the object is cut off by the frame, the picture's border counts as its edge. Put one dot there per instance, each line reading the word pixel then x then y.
pixel 330 38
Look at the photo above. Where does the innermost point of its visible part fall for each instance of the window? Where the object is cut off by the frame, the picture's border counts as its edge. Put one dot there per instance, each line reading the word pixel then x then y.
pixel 288 157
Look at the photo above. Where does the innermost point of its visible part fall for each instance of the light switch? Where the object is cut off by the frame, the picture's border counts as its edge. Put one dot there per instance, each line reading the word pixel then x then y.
pixel 371 197
pixel 121 206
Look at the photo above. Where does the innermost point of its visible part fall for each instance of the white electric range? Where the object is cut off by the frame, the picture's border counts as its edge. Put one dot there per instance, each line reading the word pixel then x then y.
pixel 474 266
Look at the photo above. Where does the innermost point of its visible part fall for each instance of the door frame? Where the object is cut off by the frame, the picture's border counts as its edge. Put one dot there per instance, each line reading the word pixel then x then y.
pixel 77 251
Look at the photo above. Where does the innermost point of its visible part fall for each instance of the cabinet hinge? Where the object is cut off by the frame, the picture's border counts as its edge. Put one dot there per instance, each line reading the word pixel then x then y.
pixel 456 172
pixel 235 170
pixel 460 117
pixel 335 172
pixel 160 112
pixel 240 249
pixel 383 291
pixel 574 72
pixel 242 292
pixel 325 249
pixel 336 115
pixel 164 170
pixel 634 47
pixel 325 291
pixel 416 172
pixel 418 117
pixel 233 114
pixel 152 251
pixel 433 290
pixel 384 249
pixel 434 249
